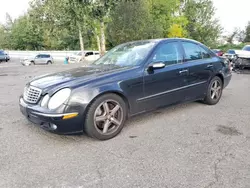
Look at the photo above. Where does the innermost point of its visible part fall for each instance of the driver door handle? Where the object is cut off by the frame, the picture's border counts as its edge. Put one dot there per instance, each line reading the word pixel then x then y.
pixel 183 71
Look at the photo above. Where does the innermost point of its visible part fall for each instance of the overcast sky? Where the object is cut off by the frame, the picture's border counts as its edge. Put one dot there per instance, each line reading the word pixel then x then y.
pixel 231 13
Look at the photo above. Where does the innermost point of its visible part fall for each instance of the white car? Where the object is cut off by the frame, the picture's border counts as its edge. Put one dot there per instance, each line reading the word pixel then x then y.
pixel 243 58
pixel 89 56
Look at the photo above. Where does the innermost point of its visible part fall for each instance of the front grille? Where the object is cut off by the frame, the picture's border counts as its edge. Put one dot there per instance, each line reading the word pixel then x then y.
pixel 32 94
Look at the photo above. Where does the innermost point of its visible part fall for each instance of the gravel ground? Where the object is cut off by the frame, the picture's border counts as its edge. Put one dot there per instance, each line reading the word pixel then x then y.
pixel 186 146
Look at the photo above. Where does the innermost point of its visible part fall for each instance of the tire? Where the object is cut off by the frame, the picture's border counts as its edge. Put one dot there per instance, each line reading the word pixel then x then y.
pixel 32 63
pixel 49 62
pixel 96 128
pixel 212 98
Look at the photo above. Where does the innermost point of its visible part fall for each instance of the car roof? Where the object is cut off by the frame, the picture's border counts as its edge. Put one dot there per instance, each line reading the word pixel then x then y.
pixel 167 39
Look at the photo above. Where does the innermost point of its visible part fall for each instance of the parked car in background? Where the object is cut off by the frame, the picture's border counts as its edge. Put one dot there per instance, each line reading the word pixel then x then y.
pixel 246 48
pixel 4 56
pixel 40 59
pixel 231 55
pixel 243 58
pixel 88 56
pixel 130 79
pixel 218 52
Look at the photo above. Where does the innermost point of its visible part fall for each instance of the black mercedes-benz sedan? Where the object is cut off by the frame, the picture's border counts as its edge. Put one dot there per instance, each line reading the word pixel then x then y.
pixel 130 79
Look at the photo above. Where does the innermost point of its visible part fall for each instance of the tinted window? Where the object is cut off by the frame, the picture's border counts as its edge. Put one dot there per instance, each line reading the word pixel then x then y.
pixel 247 48
pixel 168 53
pixel 204 53
pixel 1 52
pixel 96 53
pixel 192 51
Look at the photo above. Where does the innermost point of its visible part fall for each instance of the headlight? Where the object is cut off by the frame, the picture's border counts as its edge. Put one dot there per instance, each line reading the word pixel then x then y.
pixel 45 100
pixel 59 98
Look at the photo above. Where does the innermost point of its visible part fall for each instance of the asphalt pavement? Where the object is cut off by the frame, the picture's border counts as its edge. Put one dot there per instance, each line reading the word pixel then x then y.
pixel 186 146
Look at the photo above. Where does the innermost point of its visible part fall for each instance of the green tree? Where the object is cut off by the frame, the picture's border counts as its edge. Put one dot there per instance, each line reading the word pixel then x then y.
pixel 4 41
pixel 25 35
pixel 202 25
pixel 247 33
pixel 131 20
pixel 101 13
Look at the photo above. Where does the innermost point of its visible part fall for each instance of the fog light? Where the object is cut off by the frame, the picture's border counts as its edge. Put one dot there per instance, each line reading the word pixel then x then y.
pixel 53 126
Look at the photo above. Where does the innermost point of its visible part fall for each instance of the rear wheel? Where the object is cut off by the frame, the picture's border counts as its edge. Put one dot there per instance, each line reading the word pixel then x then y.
pixel 49 62
pixel 214 92
pixel 106 117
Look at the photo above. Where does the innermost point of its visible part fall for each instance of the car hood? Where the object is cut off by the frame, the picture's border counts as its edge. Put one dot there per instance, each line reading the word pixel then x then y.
pixel 73 77
pixel 243 53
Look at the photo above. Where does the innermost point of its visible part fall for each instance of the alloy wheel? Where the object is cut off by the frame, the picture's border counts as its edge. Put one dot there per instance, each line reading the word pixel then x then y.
pixel 216 90
pixel 108 117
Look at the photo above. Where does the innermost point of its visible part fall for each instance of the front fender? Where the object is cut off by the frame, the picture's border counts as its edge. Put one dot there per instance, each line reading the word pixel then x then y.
pixel 82 97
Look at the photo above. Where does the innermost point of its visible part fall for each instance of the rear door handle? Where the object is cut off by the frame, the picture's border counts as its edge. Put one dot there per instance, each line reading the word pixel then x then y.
pixel 183 71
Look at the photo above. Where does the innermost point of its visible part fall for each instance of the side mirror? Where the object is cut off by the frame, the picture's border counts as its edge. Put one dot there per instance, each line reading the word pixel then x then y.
pixel 155 66
pixel 158 65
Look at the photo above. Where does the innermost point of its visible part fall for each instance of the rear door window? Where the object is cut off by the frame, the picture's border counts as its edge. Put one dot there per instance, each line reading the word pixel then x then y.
pixel 192 51
pixel 205 54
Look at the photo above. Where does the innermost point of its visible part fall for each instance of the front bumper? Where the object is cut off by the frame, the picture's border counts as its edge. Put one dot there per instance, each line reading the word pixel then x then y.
pixel 242 63
pixel 52 122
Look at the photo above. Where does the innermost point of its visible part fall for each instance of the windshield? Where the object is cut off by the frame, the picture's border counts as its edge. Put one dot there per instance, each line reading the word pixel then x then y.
pixel 246 48
pixel 129 54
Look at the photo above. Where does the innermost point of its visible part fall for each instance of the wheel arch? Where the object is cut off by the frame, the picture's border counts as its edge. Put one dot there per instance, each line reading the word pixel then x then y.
pixel 119 93
pixel 221 77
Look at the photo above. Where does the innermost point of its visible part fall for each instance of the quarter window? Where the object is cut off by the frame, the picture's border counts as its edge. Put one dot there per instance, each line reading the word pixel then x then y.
pixel 204 53
pixel 192 51
pixel 168 53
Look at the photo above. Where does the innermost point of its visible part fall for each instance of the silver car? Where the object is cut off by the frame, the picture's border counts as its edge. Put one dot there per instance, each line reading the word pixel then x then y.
pixel 40 59
pixel 4 56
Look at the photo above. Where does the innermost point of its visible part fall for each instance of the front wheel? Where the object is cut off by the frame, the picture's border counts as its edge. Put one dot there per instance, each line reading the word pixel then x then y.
pixel 106 117
pixel 214 92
